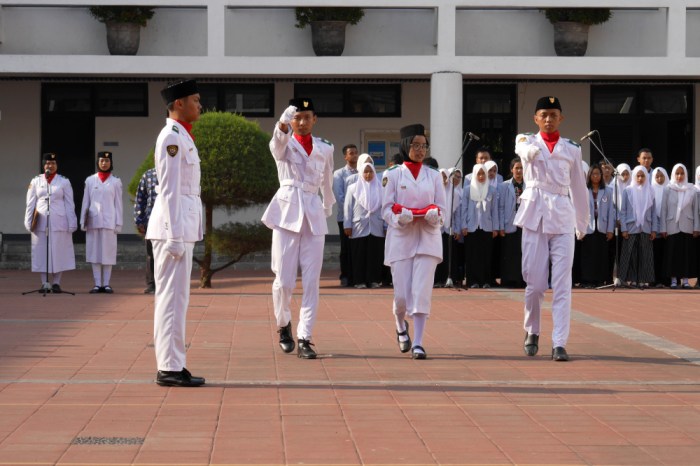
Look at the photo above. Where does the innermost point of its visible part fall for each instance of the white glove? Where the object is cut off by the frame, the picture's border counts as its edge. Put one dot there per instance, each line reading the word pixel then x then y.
pixel 405 217
pixel 328 211
pixel 175 248
pixel 432 217
pixel 118 229
pixel 82 227
pixel 288 114
pixel 580 235
pixel 533 152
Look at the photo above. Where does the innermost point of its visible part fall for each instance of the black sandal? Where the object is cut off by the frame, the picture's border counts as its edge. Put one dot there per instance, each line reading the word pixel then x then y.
pixel 404 346
pixel 418 352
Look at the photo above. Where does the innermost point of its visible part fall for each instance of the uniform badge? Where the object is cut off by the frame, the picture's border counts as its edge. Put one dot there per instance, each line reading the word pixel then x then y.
pixel 522 139
pixel 403 187
pixel 176 129
pixel 384 181
pixel 552 99
pixel 172 151
pixel 306 103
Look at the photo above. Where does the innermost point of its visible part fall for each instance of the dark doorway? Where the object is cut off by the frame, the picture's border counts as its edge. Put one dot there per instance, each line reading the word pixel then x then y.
pixel 658 117
pixel 68 129
pixel 490 113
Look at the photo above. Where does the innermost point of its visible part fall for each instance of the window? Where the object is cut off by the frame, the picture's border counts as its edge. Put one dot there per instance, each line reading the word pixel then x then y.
pixel 68 99
pixel 615 101
pixel 251 100
pixel 121 100
pixel 353 100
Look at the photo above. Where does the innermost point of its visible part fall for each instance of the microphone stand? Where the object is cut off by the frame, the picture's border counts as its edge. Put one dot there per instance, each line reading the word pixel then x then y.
pixel 449 283
pixel 614 284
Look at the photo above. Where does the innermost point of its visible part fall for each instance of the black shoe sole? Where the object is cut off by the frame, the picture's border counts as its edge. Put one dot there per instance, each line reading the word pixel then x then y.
pixel 175 384
pixel 306 356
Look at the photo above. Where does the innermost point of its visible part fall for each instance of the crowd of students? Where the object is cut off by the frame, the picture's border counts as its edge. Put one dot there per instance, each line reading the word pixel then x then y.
pixel 644 228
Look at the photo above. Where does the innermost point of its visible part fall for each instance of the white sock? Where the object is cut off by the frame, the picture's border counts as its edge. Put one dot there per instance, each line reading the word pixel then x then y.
pixel 418 328
pixel 673 281
pixel 57 278
pixel 685 281
pixel 97 274
pixel 106 274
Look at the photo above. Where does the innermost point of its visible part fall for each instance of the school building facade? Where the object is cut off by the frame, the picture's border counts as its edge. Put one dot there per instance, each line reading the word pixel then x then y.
pixel 456 66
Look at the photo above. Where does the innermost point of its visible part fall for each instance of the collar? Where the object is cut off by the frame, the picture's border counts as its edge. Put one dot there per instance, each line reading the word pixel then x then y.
pixel 103 176
pixel 306 142
pixel 188 127
pixel 350 169
pixel 413 167
pixel 550 139
pixel 50 178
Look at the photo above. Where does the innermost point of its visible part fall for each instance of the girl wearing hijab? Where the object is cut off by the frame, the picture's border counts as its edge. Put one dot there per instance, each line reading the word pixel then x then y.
pixel 364 226
pixel 659 180
pixel 638 224
pixel 101 217
pixel 479 226
pixel 413 205
pixel 594 246
pixel 622 181
pixel 511 235
pixel 455 266
pixel 494 180
pixel 678 224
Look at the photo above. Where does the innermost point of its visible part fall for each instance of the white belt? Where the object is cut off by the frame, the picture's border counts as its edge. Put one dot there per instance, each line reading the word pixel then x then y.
pixel 550 188
pixel 303 185
pixel 185 190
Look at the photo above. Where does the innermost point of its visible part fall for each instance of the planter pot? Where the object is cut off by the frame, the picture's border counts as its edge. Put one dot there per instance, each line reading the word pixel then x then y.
pixel 123 38
pixel 328 37
pixel 570 39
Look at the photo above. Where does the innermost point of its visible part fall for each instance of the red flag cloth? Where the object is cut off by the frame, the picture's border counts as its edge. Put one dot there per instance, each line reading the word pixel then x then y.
pixel 103 176
pixel 550 139
pixel 396 208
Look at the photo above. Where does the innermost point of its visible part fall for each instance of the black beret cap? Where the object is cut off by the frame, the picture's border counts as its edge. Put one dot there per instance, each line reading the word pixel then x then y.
pixel 50 157
pixel 178 90
pixel 412 130
pixel 547 103
pixel 302 104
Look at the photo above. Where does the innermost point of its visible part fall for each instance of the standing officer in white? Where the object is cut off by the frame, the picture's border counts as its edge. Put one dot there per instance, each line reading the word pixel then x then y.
pixel 553 205
pixel 297 217
pixel 175 225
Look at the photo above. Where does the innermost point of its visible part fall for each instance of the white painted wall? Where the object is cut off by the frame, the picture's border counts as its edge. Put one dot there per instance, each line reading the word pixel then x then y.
pixel 20 151
pixel 72 31
pixel 629 33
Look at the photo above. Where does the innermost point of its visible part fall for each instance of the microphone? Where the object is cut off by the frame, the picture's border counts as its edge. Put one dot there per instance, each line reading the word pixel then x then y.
pixel 473 136
pixel 47 173
pixel 588 135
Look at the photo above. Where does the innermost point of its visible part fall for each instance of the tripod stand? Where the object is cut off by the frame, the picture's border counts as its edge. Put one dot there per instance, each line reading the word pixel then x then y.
pixel 614 285
pixel 449 283
pixel 46 287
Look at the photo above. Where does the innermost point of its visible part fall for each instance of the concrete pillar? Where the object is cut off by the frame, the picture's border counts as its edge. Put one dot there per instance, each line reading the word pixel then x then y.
pixel 676 32
pixel 216 29
pixel 446 117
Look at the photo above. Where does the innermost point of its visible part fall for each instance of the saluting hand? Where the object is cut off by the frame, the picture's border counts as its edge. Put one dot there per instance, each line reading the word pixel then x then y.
pixel 288 114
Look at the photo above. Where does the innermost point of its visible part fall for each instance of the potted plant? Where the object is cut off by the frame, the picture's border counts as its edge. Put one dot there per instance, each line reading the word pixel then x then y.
pixel 123 25
pixel 328 26
pixel 571 28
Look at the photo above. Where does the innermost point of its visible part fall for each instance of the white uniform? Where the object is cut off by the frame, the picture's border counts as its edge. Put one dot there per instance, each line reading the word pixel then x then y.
pixel 297 217
pixel 101 216
pixel 63 222
pixel 413 250
pixel 176 215
pixel 554 202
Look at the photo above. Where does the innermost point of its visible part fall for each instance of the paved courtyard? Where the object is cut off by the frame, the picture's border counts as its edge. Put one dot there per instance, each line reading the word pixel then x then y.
pixel 76 380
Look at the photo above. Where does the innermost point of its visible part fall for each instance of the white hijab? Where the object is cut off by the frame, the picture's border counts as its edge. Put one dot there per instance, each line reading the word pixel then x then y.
pixel 364 158
pixel 697 178
pixel 487 168
pixel 621 185
pixel 659 188
pixel 641 196
pixel 456 195
pixel 479 191
pixel 684 189
pixel 368 193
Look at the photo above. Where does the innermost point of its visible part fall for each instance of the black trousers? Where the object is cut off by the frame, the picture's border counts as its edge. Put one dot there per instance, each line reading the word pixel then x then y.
pixel 150 278
pixel 455 266
pixel 367 259
pixel 345 258
pixel 479 246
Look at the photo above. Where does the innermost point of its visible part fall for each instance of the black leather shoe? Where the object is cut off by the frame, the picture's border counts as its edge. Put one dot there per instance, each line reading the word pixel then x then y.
pixel 531 345
pixel 418 352
pixel 404 346
pixel 305 350
pixel 286 340
pixel 149 289
pixel 56 288
pixel 559 354
pixel 95 289
pixel 107 289
pixel 181 378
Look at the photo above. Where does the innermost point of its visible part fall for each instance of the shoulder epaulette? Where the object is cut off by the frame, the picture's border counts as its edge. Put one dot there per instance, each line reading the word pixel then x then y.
pixel 573 143
pixel 325 141
pixel 393 167
pixel 176 129
pixel 432 168
pixel 529 134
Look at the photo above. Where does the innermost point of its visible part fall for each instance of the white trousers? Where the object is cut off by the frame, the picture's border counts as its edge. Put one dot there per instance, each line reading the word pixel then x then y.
pixel 171 301
pixel 413 284
pixel 538 249
pixel 291 251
